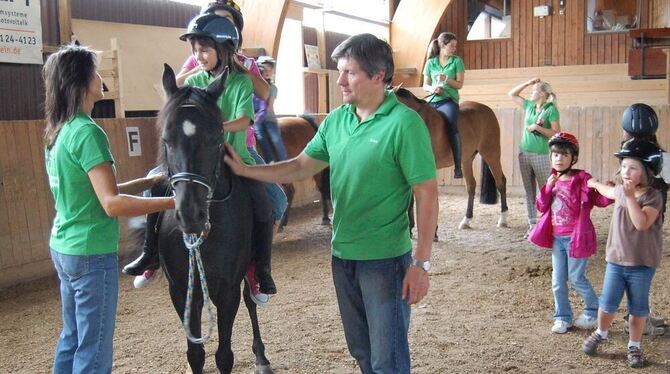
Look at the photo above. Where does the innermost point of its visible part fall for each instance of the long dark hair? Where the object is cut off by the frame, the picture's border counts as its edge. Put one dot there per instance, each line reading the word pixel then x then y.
pixel 224 51
pixel 67 75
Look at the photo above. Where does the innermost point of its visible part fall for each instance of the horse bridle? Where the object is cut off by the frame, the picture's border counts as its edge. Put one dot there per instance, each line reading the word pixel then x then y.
pixel 197 178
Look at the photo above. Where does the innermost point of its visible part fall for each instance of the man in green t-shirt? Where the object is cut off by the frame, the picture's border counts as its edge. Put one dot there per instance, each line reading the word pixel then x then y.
pixel 379 153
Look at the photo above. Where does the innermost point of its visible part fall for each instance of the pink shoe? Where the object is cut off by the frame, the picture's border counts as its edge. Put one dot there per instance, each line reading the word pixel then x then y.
pixel 257 296
pixel 148 277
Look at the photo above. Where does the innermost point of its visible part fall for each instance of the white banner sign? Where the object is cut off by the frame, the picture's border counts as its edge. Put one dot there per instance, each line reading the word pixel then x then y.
pixel 134 143
pixel 20 32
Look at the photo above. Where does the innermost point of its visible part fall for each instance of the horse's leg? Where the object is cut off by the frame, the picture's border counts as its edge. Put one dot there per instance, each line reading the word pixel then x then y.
pixel 227 302
pixel 501 185
pixel 410 214
pixel 289 190
pixel 325 196
pixel 470 185
pixel 262 363
pixel 195 353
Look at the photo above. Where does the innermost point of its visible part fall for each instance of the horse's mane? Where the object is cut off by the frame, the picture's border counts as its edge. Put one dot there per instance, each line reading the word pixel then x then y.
pixel 187 95
pixel 406 94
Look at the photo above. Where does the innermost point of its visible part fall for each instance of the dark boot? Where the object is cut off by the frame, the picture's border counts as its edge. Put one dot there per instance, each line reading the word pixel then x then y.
pixel 263 255
pixel 149 257
pixel 455 139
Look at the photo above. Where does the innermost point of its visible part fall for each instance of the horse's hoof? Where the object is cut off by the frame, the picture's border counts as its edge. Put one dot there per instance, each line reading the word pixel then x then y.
pixel 502 221
pixel 465 223
pixel 325 222
pixel 436 239
pixel 280 229
pixel 263 369
pixel 502 224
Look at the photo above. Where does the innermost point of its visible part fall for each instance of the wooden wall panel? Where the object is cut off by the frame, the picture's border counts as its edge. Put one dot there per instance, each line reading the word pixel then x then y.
pixel 555 40
pixel 263 24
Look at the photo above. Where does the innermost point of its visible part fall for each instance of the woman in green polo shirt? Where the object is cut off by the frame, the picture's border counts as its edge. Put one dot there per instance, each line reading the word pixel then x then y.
pixel 443 77
pixel 85 233
pixel 541 122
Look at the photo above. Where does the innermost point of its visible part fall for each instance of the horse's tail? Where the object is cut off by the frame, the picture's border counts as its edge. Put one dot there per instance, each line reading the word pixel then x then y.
pixel 311 120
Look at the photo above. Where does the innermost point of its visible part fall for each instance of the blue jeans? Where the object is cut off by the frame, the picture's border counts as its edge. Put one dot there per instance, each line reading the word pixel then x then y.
pixel 449 109
pixel 268 136
pixel 573 269
pixel 374 315
pixel 634 280
pixel 277 195
pixel 89 290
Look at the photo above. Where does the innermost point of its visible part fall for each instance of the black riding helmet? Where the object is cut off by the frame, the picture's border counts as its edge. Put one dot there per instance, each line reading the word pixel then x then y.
pixel 218 28
pixel 228 5
pixel 640 119
pixel 647 152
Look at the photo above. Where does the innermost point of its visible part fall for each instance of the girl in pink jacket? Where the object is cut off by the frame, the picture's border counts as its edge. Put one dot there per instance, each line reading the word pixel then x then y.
pixel 565 202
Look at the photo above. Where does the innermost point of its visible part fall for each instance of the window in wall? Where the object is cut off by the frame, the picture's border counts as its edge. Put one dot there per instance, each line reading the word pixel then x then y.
pixel 612 15
pixel 489 19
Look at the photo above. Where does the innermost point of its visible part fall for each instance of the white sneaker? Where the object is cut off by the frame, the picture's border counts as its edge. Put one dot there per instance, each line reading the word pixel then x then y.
pixel 560 327
pixel 585 322
pixel 148 277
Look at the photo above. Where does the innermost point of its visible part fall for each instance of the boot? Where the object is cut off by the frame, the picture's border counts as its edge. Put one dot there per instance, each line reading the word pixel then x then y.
pixel 455 139
pixel 262 256
pixel 148 260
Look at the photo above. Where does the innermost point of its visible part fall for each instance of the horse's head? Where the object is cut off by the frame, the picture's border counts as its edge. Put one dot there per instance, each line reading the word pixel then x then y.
pixel 192 137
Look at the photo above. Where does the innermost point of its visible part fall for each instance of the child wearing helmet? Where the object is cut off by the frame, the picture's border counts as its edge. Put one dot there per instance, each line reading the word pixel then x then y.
pixel 634 244
pixel 214 40
pixel 565 227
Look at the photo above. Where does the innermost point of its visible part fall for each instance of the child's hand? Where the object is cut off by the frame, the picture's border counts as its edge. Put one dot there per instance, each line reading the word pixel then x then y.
pixel 552 180
pixel 591 183
pixel 628 188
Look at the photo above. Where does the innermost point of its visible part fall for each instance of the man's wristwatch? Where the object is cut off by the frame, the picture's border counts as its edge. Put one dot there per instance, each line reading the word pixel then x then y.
pixel 425 265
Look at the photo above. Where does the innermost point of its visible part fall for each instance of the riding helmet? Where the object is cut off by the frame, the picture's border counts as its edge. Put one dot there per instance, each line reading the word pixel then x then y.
pixel 565 138
pixel 647 152
pixel 228 5
pixel 640 119
pixel 212 26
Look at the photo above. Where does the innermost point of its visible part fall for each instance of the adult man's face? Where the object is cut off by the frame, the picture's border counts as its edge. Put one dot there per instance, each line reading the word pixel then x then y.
pixel 354 82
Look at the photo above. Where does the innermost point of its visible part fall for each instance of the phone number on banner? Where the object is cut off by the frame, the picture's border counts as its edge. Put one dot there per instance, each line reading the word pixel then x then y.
pixel 10 38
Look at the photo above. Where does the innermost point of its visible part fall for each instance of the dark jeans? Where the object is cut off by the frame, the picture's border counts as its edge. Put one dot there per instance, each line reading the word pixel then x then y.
pixel 268 136
pixel 374 315
pixel 449 109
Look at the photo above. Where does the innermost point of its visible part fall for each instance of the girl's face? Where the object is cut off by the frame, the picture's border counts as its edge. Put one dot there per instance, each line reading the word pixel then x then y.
pixel 449 49
pixel 225 14
pixel 94 91
pixel 561 160
pixel 268 72
pixel 632 170
pixel 206 56
pixel 538 93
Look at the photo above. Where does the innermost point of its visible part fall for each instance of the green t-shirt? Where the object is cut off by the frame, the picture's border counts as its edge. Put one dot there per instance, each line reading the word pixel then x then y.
pixel 81 226
pixel 373 165
pixel 433 68
pixel 533 142
pixel 235 102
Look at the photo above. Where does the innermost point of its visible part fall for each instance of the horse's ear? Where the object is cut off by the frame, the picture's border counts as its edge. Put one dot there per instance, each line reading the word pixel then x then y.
pixel 396 88
pixel 216 87
pixel 169 80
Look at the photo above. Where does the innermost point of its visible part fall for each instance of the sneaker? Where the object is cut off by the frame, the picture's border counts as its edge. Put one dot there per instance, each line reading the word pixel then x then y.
pixel 255 293
pixel 560 327
pixel 590 345
pixel 148 277
pixel 585 322
pixel 530 229
pixel 635 358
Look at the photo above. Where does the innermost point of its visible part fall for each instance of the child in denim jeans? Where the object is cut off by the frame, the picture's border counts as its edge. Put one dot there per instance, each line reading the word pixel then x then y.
pixel 634 244
pixel 565 227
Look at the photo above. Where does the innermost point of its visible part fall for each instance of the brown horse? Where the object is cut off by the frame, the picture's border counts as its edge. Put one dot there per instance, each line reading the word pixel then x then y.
pixel 480 133
pixel 296 132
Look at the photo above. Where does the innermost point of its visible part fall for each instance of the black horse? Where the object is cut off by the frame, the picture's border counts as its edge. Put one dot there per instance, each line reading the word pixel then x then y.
pixel 214 204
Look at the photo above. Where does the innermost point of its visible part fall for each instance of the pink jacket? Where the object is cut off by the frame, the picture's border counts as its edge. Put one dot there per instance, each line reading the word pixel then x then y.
pixel 583 243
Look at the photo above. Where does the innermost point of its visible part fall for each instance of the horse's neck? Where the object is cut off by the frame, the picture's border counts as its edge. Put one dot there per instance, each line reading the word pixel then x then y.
pixel 224 183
